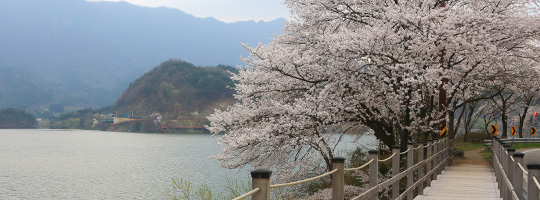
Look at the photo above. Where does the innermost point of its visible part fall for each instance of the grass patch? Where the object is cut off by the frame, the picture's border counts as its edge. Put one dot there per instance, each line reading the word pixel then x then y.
pixel 526 145
pixel 487 155
pixel 467 146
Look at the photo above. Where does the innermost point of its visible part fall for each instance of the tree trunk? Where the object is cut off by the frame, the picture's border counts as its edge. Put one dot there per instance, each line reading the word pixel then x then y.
pixel 454 132
pixel 381 131
pixel 404 136
pixel 522 121
pixel 505 125
pixel 450 125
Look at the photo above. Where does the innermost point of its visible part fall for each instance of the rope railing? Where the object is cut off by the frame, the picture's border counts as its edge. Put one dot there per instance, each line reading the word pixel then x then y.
pixel 436 159
pixel 305 180
pixel 369 162
pixel 375 189
pixel 357 168
pixel 247 194
pixel 404 152
pixel 389 157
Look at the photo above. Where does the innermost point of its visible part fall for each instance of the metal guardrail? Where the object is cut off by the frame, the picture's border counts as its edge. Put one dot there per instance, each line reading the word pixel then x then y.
pixel 515 140
pixel 513 180
pixel 438 155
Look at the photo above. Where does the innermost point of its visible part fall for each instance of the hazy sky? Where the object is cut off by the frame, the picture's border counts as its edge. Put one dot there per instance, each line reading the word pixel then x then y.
pixel 224 10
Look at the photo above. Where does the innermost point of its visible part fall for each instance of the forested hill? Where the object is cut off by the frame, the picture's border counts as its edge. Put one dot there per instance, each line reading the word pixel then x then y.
pixel 72 54
pixel 178 91
pixel 16 119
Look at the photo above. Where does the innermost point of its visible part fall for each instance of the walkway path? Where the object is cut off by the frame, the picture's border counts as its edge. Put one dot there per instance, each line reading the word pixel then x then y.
pixel 474 181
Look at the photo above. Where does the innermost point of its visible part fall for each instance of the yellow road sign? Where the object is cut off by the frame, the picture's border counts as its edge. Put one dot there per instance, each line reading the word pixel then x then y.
pixel 514 130
pixel 533 130
pixel 493 129
pixel 443 130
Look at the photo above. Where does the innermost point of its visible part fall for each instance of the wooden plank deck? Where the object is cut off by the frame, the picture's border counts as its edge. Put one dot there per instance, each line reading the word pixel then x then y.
pixel 463 182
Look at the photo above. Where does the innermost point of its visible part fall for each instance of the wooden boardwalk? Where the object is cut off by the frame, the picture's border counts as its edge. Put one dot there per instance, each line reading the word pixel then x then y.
pixel 463 182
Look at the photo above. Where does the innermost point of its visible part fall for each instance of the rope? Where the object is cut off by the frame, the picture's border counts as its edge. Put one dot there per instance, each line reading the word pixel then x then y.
pixel 365 165
pixel 305 180
pixel 405 151
pixel 523 169
pixel 536 182
pixel 419 147
pixel 248 194
pixel 389 157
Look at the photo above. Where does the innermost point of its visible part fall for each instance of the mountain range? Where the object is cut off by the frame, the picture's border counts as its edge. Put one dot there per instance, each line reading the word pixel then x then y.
pixel 73 54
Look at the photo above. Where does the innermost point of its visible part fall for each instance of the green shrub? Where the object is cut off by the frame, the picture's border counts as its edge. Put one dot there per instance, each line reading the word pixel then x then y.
pixel 183 190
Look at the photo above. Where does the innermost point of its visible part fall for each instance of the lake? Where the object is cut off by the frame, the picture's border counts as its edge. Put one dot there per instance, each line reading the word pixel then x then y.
pixel 80 164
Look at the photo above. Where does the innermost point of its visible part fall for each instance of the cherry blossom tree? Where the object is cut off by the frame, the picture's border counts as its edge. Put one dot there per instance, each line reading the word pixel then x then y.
pixel 528 96
pixel 512 95
pixel 366 63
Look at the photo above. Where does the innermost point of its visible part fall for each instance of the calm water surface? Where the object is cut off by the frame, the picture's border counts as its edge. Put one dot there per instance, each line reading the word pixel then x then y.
pixel 78 164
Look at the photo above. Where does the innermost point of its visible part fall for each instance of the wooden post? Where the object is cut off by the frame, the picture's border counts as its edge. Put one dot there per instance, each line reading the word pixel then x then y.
pixel 496 150
pixel 502 159
pixel 444 141
pixel 338 178
pixel 410 162
pixel 502 151
pixel 518 174
pixel 510 164
pixel 421 169
pixel 444 144
pixel 374 172
pixel 435 160
pixel 450 144
pixel 395 171
pixel 428 164
pixel 532 190
pixel 495 147
pixel 440 157
pixel 261 179
pixel 510 171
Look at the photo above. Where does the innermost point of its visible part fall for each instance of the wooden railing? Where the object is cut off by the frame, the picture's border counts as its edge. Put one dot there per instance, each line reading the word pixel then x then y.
pixel 433 157
pixel 514 181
